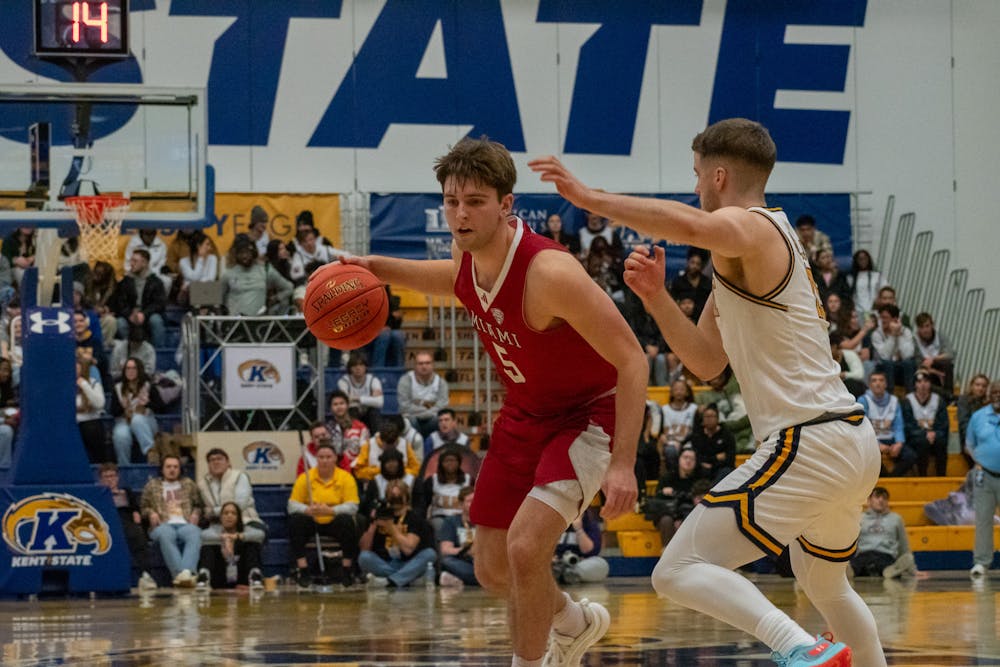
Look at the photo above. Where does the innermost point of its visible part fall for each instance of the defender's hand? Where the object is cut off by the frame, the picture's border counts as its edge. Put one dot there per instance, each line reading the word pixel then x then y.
pixel 551 170
pixel 645 274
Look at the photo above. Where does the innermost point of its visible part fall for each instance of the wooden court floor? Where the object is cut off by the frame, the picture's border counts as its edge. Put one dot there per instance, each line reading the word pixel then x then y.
pixel 944 620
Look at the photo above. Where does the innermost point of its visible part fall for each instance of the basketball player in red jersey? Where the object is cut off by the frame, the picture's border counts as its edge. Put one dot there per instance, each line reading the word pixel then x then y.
pixel 575 380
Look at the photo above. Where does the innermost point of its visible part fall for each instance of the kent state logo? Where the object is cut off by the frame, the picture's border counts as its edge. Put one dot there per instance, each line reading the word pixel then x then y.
pixel 258 372
pixel 52 529
pixel 263 454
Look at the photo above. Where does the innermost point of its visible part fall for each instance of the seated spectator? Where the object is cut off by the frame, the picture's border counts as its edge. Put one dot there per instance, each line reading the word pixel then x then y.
pixel 674 500
pixel 133 416
pixel 677 422
pixel 883 547
pixel 127 505
pixel 576 558
pixel 973 399
pixel 9 412
pixel 89 406
pixel 925 421
pixel 149 240
pixel 308 249
pixel 201 265
pixel 257 231
pixel 724 392
pixel 887 297
pixel 838 312
pixel 812 240
pixel 391 468
pixel 347 433
pixel 179 246
pixel 324 501
pixel 367 465
pixel 253 288
pixel 89 343
pixel 223 484
pixel 399 544
pixel 135 347
pixel 305 220
pixel 852 371
pixel 421 393
pixel 448 433
pixel 19 249
pixel 692 282
pixel 389 347
pixel 436 497
pixel 457 545
pixel 234 560
pixel 864 282
pixel 171 505
pixel 319 434
pixel 714 446
pixel 827 276
pixel 554 230
pixel 364 390
pixel 894 348
pixel 934 354
pixel 857 338
pixel 141 299
pixel 99 288
pixel 279 258
pixel 886 416
pixel 604 264
pixel 595 227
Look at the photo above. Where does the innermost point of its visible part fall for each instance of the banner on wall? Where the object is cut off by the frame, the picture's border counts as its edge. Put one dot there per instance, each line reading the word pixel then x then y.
pixel 268 457
pixel 232 215
pixel 258 377
pixel 413 225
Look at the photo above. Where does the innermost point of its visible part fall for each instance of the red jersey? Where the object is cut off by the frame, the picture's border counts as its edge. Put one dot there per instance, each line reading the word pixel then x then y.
pixel 545 373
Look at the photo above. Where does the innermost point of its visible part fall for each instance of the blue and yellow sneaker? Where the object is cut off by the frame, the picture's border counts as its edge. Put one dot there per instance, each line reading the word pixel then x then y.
pixel 824 653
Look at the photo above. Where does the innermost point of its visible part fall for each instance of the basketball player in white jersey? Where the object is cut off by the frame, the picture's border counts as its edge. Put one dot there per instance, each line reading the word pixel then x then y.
pixel 807 482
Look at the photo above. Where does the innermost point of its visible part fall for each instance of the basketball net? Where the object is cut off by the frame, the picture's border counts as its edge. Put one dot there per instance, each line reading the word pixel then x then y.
pixel 100 220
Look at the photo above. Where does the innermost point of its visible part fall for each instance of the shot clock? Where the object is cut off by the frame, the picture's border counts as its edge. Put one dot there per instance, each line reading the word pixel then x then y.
pixel 81 28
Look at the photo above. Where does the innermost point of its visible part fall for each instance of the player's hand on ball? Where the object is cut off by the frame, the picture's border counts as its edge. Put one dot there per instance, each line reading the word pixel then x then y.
pixel 620 491
pixel 644 273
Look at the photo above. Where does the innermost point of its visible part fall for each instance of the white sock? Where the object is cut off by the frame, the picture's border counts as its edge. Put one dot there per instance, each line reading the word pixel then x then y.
pixel 781 633
pixel 518 661
pixel 569 620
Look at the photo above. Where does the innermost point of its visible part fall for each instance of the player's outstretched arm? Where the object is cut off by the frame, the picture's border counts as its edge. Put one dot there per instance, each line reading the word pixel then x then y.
pixel 730 231
pixel 699 347
pixel 595 317
pixel 430 276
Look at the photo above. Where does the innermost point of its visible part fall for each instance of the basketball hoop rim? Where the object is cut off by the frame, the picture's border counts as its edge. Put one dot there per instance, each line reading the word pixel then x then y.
pixel 93 209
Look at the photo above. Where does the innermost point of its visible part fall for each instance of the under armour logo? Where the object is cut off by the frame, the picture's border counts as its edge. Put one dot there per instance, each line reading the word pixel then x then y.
pixel 39 323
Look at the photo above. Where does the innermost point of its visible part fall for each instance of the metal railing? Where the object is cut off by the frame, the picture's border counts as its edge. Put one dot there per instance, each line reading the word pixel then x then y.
pixel 203 340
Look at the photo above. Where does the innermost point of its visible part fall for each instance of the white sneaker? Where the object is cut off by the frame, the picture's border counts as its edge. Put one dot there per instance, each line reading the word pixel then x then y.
pixel 977 570
pixel 184 579
pixel 204 581
pixel 449 580
pixel 146 582
pixel 566 651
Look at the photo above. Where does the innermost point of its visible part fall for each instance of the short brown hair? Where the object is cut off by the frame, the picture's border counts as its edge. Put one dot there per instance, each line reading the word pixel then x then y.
pixel 481 161
pixel 737 138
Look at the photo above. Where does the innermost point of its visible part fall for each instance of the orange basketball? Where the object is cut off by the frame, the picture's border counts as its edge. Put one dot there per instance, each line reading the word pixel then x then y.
pixel 345 306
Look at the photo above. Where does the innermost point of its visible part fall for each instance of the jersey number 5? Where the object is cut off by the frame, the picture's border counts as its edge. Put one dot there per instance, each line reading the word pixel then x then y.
pixel 509 367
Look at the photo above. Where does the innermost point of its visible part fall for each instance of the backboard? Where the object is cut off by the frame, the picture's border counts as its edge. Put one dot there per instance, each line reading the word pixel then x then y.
pixel 147 143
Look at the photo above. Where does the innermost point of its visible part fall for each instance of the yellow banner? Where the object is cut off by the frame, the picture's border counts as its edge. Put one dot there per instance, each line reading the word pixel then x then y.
pixel 232 215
